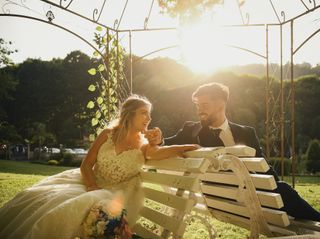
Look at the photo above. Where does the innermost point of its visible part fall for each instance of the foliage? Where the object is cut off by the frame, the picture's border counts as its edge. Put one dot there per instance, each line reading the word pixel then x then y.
pixel 109 79
pixel 187 9
pixel 8 133
pixel 276 163
pixel 5 53
pixel 39 135
pixel 313 154
pixel 53 162
pixel 53 93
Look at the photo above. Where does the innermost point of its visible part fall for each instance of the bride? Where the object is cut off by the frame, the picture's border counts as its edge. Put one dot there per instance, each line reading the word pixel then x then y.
pixel 102 198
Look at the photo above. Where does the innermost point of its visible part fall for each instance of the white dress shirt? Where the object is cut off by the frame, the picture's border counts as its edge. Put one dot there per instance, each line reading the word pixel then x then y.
pixel 225 134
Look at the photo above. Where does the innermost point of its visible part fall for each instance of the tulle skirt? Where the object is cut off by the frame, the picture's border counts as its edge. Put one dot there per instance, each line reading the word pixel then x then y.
pixel 59 206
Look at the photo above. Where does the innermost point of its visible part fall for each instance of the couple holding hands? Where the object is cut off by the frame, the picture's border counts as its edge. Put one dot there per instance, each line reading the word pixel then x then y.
pixel 69 204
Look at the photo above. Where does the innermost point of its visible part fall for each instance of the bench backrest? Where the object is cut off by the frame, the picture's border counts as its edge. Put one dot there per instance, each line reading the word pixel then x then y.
pixel 165 217
pixel 237 190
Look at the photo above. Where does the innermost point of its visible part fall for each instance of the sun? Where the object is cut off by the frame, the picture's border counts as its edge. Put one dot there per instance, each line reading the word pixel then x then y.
pixel 203 47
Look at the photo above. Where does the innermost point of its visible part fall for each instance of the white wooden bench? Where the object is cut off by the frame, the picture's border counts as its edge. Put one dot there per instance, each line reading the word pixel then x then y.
pixel 234 193
pixel 182 174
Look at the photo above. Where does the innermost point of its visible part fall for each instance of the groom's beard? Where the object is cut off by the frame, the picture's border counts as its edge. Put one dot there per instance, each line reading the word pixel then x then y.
pixel 207 121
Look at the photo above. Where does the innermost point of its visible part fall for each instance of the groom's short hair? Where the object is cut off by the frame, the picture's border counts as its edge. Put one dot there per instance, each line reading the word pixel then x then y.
pixel 214 90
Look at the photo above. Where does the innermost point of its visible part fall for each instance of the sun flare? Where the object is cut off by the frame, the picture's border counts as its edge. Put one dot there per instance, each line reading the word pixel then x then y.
pixel 204 45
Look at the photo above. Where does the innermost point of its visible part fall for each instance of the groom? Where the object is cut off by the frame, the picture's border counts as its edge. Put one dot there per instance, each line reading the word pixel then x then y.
pixel 214 129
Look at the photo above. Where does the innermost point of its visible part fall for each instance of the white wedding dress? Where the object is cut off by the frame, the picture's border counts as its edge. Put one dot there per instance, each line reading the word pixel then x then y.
pixel 56 207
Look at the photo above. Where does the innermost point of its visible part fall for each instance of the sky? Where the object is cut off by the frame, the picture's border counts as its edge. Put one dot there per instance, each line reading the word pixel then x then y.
pixel 201 45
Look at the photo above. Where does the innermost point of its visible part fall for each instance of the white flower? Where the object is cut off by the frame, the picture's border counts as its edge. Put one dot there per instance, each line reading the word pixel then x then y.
pixel 101 225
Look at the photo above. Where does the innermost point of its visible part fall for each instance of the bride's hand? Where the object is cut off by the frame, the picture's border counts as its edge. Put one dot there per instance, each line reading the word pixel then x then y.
pixel 186 148
pixel 92 188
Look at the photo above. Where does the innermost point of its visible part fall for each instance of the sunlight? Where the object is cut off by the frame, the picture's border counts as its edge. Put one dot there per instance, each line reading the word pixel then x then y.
pixel 204 44
pixel 202 47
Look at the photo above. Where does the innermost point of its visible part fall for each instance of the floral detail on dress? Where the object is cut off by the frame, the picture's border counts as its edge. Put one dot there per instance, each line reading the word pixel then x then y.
pixel 112 169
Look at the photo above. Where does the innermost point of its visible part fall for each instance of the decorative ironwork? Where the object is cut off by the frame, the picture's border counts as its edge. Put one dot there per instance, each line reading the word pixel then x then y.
pixel 68 4
pixel 8 3
pixel 310 1
pixel 241 15
pixel 96 11
pixel 146 20
pixel 123 11
pixel 50 15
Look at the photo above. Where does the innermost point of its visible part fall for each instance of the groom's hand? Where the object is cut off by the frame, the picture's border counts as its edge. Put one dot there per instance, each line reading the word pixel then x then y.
pixel 154 136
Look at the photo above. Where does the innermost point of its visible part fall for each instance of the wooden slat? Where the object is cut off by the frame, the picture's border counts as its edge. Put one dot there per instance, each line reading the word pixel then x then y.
pixel 268 199
pixel 190 183
pixel 304 236
pixel 207 152
pixel 312 225
pixel 259 165
pixel 193 165
pixel 213 152
pixel 145 233
pixel 256 164
pixel 241 151
pixel 275 217
pixel 244 222
pixel 260 181
pixel 180 203
pixel 170 223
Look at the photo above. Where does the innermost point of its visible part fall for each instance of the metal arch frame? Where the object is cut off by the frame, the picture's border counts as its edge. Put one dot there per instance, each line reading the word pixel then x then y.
pixel 293 51
pixel 55 25
pixel 65 5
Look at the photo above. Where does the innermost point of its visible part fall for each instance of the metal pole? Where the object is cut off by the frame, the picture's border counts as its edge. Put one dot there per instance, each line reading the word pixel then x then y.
pixel 108 75
pixel 281 108
pixel 267 122
pixel 130 52
pixel 292 110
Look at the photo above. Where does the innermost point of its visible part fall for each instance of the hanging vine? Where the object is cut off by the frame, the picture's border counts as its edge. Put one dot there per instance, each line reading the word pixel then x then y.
pixel 110 86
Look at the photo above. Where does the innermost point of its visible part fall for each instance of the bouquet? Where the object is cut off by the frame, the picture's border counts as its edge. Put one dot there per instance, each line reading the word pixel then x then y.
pixel 107 219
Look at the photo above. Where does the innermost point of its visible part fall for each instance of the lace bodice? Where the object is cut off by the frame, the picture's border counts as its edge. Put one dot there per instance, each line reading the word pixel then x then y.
pixel 112 169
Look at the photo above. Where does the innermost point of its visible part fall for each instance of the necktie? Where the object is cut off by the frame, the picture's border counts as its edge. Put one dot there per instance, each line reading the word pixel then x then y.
pixel 216 141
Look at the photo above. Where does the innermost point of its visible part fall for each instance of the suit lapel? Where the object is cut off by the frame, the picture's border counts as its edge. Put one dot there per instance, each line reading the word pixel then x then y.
pixel 236 132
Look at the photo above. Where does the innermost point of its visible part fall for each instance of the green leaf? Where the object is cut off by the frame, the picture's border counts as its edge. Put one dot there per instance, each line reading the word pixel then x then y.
pixel 101 67
pixel 91 137
pixel 91 88
pixel 90 104
pixel 96 54
pixel 99 100
pixel 94 121
pixel 103 107
pixel 99 28
pixel 98 114
pixel 92 71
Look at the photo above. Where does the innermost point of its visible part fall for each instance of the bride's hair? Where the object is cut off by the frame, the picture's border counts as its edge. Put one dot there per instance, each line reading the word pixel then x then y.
pixel 127 112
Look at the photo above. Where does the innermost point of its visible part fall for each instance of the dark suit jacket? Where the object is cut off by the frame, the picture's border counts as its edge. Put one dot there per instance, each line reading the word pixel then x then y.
pixel 194 133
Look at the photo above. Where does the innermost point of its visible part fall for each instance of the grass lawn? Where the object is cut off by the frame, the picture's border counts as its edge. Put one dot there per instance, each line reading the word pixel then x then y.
pixel 16 176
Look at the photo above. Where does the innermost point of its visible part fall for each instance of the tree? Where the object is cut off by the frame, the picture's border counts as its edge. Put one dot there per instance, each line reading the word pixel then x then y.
pixel 187 9
pixel 313 156
pixel 40 136
pixel 8 84
pixel 5 53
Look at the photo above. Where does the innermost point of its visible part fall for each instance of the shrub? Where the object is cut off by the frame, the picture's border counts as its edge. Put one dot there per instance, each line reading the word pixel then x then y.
pixel 67 159
pixel 313 155
pixel 276 164
pixel 56 157
pixel 53 162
